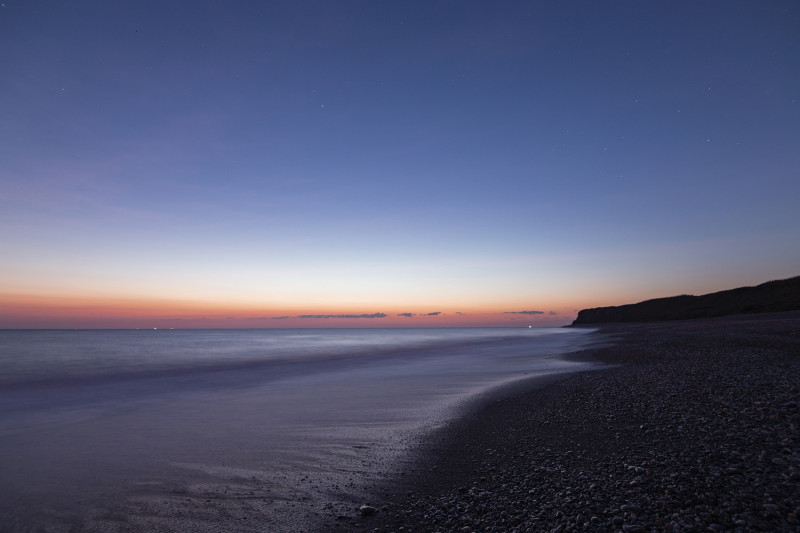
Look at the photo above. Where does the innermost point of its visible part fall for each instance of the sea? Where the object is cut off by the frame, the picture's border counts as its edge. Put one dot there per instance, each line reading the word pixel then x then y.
pixel 262 430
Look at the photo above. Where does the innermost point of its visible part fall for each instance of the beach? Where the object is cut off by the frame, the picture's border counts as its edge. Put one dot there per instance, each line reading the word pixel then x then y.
pixel 692 426
pixel 668 426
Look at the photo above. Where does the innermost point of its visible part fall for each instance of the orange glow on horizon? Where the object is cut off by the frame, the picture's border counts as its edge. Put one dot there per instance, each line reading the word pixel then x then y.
pixel 35 312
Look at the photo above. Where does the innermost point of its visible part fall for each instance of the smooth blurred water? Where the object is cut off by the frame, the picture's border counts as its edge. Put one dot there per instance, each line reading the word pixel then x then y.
pixel 92 420
pixel 40 356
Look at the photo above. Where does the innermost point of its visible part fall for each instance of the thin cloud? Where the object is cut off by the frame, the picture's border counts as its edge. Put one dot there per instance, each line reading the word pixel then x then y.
pixel 365 315
pixel 524 313
pixel 552 313
pixel 435 313
pixel 371 315
pixel 409 315
pixel 459 313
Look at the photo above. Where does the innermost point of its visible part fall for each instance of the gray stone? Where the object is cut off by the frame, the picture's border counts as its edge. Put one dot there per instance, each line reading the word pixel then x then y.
pixel 367 510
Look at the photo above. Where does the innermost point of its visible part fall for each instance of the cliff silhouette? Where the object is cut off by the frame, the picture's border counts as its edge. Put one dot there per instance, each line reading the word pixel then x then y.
pixel 770 297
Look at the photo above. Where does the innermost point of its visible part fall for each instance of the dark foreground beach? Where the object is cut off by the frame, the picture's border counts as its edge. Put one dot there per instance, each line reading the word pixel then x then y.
pixel 694 427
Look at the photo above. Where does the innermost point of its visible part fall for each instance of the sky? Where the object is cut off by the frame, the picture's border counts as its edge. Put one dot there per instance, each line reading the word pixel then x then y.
pixel 389 164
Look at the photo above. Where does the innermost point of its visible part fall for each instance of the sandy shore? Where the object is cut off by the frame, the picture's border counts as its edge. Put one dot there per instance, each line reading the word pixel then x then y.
pixel 695 426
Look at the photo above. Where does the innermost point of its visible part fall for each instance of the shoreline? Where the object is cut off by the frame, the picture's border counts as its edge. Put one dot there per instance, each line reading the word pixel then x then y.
pixel 691 425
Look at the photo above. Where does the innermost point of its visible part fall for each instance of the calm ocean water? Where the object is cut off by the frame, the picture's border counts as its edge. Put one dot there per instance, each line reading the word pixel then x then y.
pixel 29 357
pixel 124 420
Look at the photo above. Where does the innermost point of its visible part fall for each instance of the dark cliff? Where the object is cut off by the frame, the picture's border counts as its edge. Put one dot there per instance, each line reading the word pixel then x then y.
pixel 773 296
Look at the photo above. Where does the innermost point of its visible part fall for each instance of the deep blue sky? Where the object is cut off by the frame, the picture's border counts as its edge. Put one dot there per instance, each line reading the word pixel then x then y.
pixel 395 156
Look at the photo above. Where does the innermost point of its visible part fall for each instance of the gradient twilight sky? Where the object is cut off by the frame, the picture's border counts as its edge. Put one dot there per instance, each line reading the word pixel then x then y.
pixel 371 163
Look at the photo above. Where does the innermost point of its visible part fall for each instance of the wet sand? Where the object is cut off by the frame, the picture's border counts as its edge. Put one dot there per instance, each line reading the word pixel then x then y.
pixel 693 426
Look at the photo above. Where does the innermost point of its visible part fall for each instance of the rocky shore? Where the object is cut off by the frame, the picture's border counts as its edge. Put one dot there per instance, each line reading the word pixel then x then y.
pixel 694 426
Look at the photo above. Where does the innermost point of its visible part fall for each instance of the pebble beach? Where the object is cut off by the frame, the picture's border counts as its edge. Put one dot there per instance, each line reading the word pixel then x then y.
pixel 690 426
